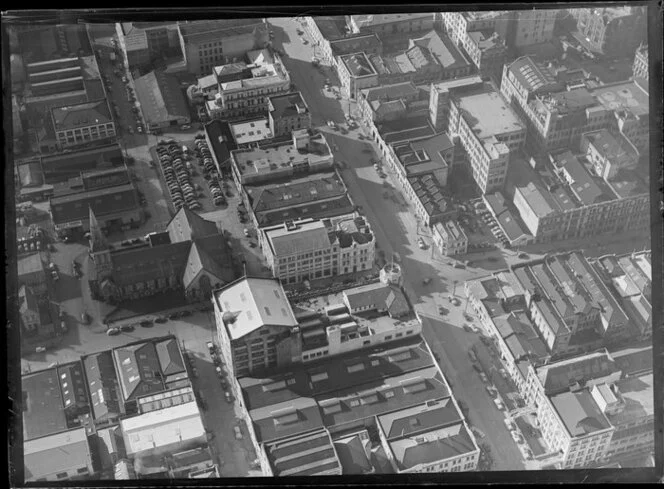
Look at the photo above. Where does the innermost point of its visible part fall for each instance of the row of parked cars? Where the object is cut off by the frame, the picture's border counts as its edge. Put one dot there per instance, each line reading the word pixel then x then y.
pixel 177 176
pixel 219 368
pixel 209 170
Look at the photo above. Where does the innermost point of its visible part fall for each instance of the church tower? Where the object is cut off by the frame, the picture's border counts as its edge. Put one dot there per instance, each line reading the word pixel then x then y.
pixel 99 249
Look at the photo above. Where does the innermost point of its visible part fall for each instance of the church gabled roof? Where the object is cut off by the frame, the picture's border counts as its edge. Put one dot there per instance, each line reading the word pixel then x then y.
pixel 186 225
pixel 97 239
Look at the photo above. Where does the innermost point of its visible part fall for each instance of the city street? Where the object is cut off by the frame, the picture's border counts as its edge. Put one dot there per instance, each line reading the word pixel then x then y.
pixel 392 221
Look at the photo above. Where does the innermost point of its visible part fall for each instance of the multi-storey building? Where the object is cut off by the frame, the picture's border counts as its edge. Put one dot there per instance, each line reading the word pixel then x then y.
pixel 429 58
pixel 595 408
pixel 630 277
pixel 354 319
pixel 390 405
pixel 80 124
pixel 563 199
pixel 256 327
pixel 318 195
pixel 608 155
pixel 569 418
pixel 389 102
pixel 570 305
pixel 487 50
pixel 251 133
pixel 486 126
pixel 304 153
pixel 640 66
pixel 311 249
pixel 206 44
pixel 143 42
pixel 450 238
pixel 288 113
pixel 517 28
pixel 430 437
pixel 629 406
pixel 612 31
pixel 386 24
pixel 246 92
pixel 356 72
pixel 557 117
pixel 526 27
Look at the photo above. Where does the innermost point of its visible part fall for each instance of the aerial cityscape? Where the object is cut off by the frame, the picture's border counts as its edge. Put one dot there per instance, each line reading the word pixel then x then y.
pixel 334 245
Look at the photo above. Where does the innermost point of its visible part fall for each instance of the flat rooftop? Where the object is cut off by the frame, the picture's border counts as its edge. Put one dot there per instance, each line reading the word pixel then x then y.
pixel 288 105
pixel 487 113
pixel 626 95
pixel 251 131
pixel 629 183
pixel 275 157
pixel 579 413
pixel 406 129
pixel 331 26
pixel 486 39
pixel 637 393
pixel 337 373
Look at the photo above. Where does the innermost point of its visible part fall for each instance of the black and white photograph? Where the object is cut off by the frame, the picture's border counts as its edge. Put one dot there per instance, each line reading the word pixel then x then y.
pixel 371 244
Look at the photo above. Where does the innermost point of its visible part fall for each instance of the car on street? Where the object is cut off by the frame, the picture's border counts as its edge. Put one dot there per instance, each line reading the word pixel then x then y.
pixel 426 281
pixel 160 320
pixel 477 368
pixel 472 355
pixel 238 432
pixel 85 318
pixel 146 323
pixel 246 232
pixel 113 331
pixel 499 404
pixel 229 398
pixel 40 349
pixel 523 255
pixel 185 127
pixel 127 328
pixel 484 378
pixel 211 347
pixel 467 328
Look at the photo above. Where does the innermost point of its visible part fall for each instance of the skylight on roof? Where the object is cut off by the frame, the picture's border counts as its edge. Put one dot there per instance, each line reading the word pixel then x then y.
pixel 287 419
pixel 357 367
pixel 400 357
pixel 318 377
pixel 275 386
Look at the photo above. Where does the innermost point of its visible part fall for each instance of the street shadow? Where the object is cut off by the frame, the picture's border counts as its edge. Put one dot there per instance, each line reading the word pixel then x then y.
pixel 281 37
pixel 333 108
pixel 147 305
pixel 68 287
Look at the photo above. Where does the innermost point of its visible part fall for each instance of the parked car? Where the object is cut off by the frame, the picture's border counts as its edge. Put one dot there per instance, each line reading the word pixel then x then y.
pixel 229 398
pixel 146 323
pixel 238 432
pixel 112 331
pixel 160 320
pixel 127 328
pixel 85 318
pixel 484 378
